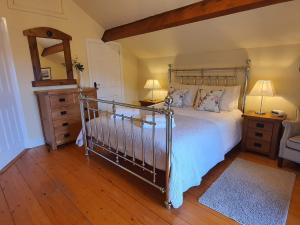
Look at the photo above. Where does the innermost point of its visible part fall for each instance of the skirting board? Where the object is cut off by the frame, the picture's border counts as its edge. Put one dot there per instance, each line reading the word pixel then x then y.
pixel 13 161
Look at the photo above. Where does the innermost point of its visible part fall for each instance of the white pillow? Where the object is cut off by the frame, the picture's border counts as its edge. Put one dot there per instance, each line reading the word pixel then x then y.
pixel 189 97
pixel 230 99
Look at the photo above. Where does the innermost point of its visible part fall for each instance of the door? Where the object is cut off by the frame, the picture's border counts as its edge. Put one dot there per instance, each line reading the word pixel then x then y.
pixel 105 70
pixel 11 132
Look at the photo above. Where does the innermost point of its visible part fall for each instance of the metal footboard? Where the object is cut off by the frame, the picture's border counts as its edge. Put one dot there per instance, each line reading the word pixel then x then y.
pixel 98 114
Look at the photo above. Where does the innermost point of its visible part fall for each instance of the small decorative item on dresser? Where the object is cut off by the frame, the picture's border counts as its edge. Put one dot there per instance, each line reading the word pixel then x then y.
pixel 150 102
pixel 262 133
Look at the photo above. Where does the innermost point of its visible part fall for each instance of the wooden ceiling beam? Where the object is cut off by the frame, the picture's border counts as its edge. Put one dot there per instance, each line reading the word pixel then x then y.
pixel 203 10
pixel 53 49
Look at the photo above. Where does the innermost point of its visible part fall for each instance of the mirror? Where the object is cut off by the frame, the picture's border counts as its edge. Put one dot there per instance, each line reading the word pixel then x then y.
pixel 50 56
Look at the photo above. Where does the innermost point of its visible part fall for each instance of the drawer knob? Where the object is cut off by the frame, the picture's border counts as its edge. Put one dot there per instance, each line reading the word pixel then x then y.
pixel 65 124
pixel 66 135
pixel 260 125
pixel 62 99
pixel 63 112
pixel 258 134
pixel 258 145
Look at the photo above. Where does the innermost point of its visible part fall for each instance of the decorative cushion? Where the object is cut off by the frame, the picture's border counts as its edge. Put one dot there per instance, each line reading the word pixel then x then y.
pixel 230 98
pixel 294 142
pixel 189 96
pixel 201 93
pixel 178 96
pixel 208 100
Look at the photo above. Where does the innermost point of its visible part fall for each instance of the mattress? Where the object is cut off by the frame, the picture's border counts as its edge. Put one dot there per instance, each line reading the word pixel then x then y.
pixel 200 141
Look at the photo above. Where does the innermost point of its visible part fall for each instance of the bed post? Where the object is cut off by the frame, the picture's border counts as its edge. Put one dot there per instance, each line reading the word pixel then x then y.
pixel 170 74
pixel 247 71
pixel 169 120
pixel 81 100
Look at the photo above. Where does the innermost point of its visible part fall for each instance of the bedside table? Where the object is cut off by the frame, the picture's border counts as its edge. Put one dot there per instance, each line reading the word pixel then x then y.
pixel 262 133
pixel 150 102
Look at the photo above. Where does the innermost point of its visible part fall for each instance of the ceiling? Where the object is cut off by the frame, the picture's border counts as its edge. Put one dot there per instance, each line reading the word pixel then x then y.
pixel 112 13
pixel 269 26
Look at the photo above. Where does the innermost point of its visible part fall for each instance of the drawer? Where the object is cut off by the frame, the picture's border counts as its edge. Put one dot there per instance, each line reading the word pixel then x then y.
pixel 68 133
pixel 258 146
pixel 259 134
pixel 58 101
pixel 260 125
pixel 74 127
pixel 66 113
pixel 66 138
pixel 66 123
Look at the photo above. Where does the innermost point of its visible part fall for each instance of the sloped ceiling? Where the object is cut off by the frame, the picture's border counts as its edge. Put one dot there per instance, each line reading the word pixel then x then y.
pixel 268 26
pixel 112 13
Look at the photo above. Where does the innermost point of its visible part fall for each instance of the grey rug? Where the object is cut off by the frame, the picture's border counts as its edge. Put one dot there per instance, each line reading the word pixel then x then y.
pixel 251 194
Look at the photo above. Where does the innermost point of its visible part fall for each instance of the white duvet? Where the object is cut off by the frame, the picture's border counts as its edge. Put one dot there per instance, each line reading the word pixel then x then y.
pixel 200 141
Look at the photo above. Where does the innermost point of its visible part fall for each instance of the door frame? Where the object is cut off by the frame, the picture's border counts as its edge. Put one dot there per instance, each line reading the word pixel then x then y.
pixel 15 91
pixel 99 41
pixel 14 81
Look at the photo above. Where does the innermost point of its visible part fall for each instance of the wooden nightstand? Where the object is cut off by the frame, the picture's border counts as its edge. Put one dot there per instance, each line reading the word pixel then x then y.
pixel 150 102
pixel 262 133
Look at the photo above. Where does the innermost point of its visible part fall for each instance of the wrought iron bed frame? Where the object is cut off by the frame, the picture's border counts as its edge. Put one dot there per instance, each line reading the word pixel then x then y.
pixel 90 110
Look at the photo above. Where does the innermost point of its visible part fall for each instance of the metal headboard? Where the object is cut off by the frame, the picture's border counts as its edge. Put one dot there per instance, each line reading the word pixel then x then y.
pixel 227 76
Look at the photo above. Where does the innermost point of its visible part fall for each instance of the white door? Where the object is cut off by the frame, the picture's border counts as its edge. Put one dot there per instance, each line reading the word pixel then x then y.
pixel 105 69
pixel 11 134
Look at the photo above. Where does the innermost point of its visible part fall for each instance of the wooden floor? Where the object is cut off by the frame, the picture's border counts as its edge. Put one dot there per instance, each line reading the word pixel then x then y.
pixel 65 187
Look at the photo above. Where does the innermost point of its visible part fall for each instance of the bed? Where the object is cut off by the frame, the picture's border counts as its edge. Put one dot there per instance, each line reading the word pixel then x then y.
pixel 173 157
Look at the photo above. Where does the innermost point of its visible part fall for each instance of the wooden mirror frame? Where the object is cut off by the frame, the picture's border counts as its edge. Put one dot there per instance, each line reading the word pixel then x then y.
pixel 47 32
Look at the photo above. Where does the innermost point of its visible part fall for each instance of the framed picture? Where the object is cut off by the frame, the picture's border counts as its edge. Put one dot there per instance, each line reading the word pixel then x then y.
pixel 46 73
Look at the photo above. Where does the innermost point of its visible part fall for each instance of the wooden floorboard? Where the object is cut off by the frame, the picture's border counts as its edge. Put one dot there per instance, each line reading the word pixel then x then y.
pixel 59 209
pixel 5 216
pixel 22 203
pixel 65 187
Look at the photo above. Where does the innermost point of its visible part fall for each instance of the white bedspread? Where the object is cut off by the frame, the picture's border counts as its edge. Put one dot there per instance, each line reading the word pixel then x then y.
pixel 200 141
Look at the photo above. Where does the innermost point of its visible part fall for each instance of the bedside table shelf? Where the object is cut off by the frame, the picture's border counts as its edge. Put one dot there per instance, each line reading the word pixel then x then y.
pixel 262 133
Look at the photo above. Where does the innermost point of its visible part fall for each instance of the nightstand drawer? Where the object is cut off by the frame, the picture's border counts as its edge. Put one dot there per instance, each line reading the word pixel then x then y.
pixel 259 134
pixel 258 146
pixel 260 125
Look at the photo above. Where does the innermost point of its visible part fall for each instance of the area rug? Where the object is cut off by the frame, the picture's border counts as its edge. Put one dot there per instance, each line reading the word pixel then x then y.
pixel 251 194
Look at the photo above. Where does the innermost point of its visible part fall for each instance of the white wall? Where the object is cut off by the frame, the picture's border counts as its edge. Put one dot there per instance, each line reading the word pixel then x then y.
pixel 68 18
pixel 279 64
pixel 74 22
pixel 130 76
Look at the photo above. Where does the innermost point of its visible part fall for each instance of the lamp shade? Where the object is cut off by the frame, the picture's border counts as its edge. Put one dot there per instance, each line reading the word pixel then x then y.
pixel 152 84
pixel 262 88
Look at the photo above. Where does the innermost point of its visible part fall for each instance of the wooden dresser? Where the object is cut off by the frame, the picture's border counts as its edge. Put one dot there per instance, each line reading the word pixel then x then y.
pixel 60 114
pixel 262 133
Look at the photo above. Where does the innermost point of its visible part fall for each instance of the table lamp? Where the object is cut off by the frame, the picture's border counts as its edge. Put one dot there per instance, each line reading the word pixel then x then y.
pixel 262 88
pixel 152 84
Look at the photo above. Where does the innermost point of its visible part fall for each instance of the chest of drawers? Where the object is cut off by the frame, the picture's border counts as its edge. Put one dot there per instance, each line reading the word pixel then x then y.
pixel 60 114
pixel 262 133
